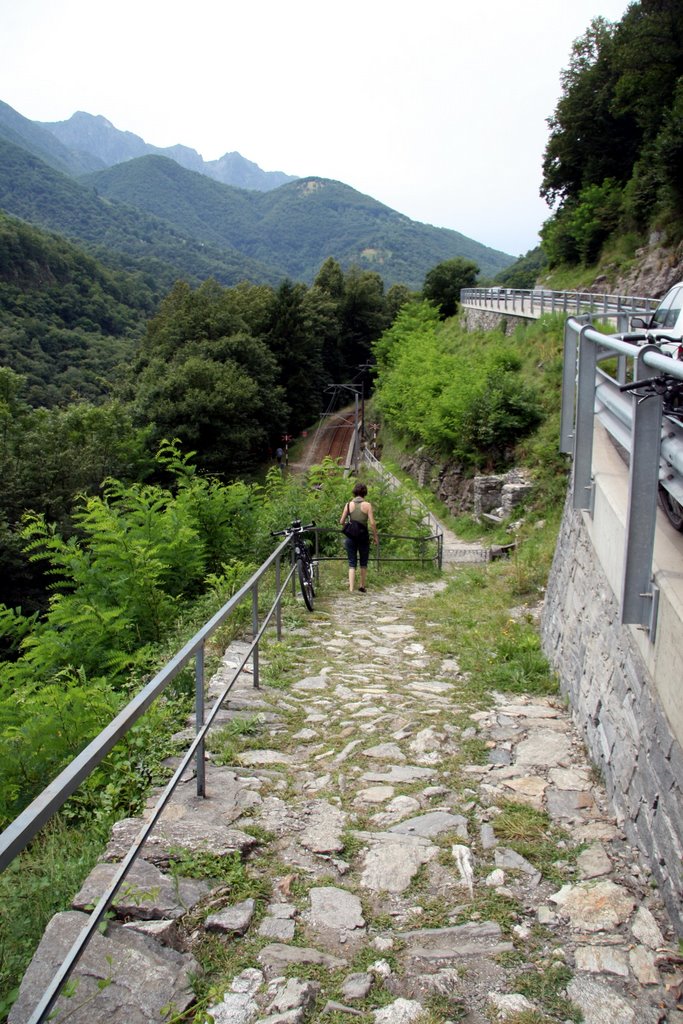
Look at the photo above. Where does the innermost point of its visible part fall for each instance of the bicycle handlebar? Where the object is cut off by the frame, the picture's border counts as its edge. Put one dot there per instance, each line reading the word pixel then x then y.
pixel 644 382
pixel 296 527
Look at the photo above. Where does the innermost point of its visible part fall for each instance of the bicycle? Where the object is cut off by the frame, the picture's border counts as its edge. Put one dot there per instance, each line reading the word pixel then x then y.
pixel 671 391
pixel 304 567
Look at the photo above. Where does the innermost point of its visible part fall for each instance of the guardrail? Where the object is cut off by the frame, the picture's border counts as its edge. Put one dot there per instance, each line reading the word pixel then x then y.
pixel 534 302
pixel 652 440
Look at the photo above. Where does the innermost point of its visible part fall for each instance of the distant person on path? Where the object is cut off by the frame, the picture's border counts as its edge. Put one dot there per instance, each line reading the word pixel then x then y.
pixel 278 455
pixel 358 548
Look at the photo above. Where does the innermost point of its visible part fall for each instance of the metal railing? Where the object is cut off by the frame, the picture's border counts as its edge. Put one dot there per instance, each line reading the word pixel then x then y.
pixel 31 820
pixel 535 302
pixel 20 832
pixel 653 441
pixel 416 507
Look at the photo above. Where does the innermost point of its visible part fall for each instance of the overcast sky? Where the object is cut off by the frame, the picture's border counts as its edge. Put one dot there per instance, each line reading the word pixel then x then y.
pixel 436 108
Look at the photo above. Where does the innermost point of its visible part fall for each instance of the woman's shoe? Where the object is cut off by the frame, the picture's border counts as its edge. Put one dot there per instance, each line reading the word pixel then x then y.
pixel 361 590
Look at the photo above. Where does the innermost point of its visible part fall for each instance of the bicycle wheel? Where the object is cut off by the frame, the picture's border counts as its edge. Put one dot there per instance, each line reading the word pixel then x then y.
pixel 310 569
pixel 305 582
pixel 672 508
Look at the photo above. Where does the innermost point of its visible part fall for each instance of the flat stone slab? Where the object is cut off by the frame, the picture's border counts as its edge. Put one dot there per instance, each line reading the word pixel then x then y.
pixel 431 686
pixel 234 920
pixel 570 778
pixel 593 862
pixel 602 960
pixel 395 810
pixel 145 977
pixel 145 893
pixel 594 907
pixel 255 758
pixel 646 929
pixel 510 860
pixel 399 773
pixel 393 861
pixel 277 928
pixel 311 684
pixel 323 828
pixel 528 788
pixel 545 748
pixel 196 836
pixel 385 752
pixel 473 939
pixel 236 1008
pixel 598 1003
pixel 279 956
pixel 336 910
pixel 434 823
pixel 228 797
pixel 401 1011
pixel 426 741
pixel 375 794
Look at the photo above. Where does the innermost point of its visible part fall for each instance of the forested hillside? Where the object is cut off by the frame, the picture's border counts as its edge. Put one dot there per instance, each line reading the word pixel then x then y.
pixel 177 222
pixel 612 166
pixel 295 226
pixel 119 234
pixel 227 371
pixel 66 321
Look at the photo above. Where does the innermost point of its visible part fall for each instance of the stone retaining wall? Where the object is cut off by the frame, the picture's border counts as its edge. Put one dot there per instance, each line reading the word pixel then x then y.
pixel 486 320
pixel 614 702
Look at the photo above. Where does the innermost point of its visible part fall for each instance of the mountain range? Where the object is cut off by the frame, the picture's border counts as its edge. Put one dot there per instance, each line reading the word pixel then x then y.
pixel 170 213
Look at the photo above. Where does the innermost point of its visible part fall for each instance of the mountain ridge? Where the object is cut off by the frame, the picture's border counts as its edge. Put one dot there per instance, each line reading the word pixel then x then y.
pixel 94 136
pixel 154 210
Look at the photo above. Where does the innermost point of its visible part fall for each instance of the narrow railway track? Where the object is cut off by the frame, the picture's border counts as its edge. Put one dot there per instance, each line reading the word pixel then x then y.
pixel 338 436
pixel 332 438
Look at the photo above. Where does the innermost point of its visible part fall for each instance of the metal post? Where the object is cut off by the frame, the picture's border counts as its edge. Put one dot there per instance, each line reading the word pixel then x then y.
pixel 583 490
pixel 254 627
pixel 639 596
pixel 199 718
pixel 278 610
pixel 568 389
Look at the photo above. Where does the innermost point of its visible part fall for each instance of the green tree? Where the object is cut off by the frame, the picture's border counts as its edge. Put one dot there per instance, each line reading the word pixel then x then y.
pixel 297 349
pixel 364 315
pixel 443 283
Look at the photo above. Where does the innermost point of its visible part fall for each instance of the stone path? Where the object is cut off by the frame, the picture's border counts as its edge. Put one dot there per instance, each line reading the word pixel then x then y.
pixel 423 859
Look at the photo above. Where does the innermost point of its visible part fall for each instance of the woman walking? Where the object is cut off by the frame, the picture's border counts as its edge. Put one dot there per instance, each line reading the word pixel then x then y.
pixel 358 548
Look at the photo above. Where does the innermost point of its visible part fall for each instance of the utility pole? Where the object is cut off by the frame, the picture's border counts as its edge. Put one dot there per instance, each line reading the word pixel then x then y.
pixel 364 367
pixel 286 439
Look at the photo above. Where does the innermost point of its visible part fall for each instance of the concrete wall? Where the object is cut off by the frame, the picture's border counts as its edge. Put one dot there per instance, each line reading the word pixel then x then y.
pixel 626 693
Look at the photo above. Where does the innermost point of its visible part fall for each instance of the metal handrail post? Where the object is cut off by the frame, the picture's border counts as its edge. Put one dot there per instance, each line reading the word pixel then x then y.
pixel 255 629
pixel 199 718
pixel 639 597
pixel 568 387
pixel 278 610
pixel 583 490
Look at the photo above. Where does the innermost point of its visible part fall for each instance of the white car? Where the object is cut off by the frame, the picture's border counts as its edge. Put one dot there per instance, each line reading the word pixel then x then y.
pixel 664 327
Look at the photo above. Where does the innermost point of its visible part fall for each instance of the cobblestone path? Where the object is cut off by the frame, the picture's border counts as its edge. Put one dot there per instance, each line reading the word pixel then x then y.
pixel 424 859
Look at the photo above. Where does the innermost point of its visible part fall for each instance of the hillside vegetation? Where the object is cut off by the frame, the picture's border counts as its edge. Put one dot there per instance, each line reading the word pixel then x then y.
pixel 612 165
pixel 295 226
pixel 117 234
pixel 66 320
pixel 476 398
